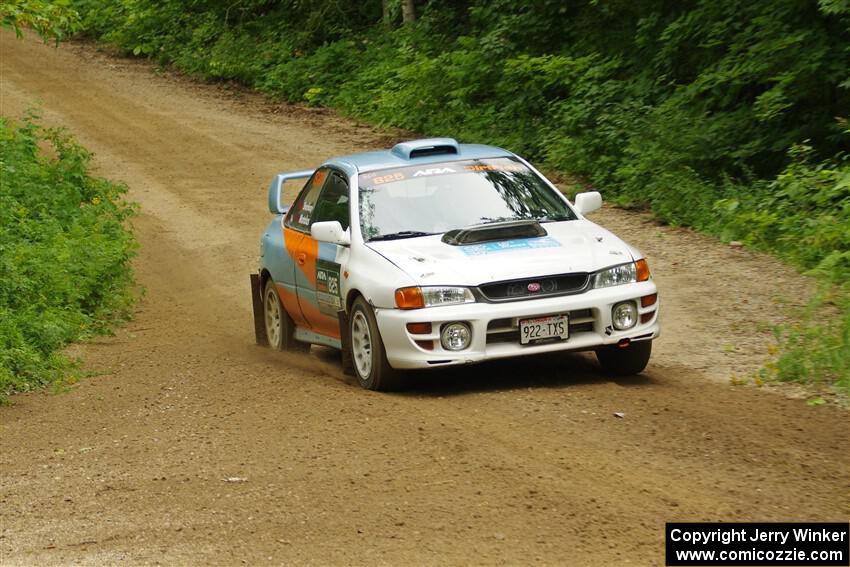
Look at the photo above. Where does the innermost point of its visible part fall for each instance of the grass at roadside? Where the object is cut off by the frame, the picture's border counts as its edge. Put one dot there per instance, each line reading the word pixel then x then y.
pixel 804 216
pixel 65 250
pixel 816 349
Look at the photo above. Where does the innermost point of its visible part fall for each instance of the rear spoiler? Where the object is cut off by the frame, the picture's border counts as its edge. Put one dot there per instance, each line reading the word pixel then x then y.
pixel 276 188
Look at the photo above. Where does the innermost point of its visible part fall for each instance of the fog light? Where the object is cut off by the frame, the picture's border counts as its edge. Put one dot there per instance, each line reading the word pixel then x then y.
pixel 624 315
pixel 455 336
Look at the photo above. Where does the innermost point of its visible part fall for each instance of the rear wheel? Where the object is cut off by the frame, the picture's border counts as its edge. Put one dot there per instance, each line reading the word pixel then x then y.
pixel 625 361
pixel 368 356
pixel 280 328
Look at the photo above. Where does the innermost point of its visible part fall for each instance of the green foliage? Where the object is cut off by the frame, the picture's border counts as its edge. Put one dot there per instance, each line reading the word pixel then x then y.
pixel 50 20
pixel 310 78
pixel 700 110
pixel 804 214
pixel 64 253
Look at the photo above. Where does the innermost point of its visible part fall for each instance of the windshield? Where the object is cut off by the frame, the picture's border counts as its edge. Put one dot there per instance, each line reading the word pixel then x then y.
pixel 438 197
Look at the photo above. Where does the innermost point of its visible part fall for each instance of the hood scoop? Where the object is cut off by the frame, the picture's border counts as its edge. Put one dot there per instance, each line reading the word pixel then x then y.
pixel 490 232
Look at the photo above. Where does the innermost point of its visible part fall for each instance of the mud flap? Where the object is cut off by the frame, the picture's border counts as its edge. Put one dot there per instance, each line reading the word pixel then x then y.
pixel 345 339
pixel 257 300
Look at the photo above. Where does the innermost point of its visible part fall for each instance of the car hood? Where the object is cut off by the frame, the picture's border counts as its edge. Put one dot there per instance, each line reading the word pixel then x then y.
pixel 570 246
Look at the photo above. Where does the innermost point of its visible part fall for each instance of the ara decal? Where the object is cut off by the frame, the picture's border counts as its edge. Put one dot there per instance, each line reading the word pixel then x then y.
pixel 433 171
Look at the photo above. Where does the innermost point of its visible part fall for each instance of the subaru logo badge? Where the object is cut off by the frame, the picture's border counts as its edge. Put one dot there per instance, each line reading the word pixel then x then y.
pixel 533 287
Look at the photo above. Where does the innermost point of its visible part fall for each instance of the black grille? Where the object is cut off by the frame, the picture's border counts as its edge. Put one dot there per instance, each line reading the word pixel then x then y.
pixel 530 288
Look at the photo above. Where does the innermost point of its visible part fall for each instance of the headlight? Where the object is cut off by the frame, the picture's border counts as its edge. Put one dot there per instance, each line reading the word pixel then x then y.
pixel 432 296
pixel 622 274
pixel 617 275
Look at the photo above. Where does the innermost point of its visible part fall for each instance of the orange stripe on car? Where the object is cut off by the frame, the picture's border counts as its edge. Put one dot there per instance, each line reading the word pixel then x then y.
pixel 302 247
pixel 310 249
pixel 291 240
pixel 322 324
pixel 290 304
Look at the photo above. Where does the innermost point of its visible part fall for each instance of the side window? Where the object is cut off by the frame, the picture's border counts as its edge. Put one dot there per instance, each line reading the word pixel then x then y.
pixel 333 203
pixel 301 213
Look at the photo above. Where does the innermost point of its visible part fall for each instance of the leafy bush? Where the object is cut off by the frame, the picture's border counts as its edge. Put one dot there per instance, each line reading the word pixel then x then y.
pixel 50 20
pixel 64 253
pixel 804 214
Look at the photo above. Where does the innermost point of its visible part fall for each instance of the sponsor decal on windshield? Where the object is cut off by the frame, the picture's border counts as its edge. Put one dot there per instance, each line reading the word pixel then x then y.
pixel 391 176
pixel 398 176
pixel 509 245
pixel 433 171
pixel 495 167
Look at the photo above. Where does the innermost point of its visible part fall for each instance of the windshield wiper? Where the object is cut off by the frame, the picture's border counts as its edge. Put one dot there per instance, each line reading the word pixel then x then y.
pixel 554 219
pixel 399 235
pixel 491 220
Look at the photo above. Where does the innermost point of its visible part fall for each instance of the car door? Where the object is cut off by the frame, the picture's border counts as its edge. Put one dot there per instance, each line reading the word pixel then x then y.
pixel 296 228
pixel 320 293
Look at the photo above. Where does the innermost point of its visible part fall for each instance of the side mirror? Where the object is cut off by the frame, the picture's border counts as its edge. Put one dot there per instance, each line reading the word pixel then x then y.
pixel 276 189
pixel 588 202
pixel 330 231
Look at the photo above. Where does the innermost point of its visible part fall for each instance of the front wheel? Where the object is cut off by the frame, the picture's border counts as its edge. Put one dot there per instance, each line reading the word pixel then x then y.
pixel 279 325
pixel 625 361
pixel 368 356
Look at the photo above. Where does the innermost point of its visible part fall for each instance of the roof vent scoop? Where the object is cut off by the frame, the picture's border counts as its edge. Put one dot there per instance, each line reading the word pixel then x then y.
pixel 428 147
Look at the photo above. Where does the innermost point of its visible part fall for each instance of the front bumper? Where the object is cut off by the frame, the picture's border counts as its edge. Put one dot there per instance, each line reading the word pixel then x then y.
pixel 495 330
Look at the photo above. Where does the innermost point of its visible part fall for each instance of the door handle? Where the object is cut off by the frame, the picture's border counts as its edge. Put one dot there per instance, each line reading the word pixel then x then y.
pixel 302 257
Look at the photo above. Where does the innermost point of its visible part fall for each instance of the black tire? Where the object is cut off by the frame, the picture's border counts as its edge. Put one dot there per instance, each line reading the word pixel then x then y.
pixel 280 328
pixel 371 367
pixel 625 361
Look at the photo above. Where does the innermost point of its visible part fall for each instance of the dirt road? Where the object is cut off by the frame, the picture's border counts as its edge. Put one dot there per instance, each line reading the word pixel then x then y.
pixel 514 463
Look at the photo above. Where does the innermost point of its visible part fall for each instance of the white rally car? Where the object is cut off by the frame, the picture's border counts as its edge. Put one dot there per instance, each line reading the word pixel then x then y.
pixel 436 254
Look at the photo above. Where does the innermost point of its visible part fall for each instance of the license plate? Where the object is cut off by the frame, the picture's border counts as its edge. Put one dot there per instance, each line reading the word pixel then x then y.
pixel 542 328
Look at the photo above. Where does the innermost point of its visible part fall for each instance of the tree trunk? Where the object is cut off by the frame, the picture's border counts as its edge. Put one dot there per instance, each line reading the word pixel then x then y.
pixel 385 4
pixel 408 12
